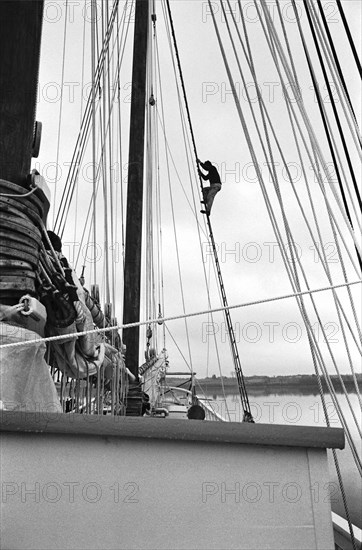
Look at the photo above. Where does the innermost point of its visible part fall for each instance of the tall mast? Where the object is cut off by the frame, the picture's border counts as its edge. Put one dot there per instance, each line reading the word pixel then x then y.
pixel 132 275
pixel 20 37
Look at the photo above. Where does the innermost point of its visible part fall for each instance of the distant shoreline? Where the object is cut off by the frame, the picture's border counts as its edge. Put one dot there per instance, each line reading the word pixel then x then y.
pixel 297 382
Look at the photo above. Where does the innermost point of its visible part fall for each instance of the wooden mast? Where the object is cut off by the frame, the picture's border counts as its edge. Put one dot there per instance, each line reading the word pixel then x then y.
pixel 20 38
pixel 132 275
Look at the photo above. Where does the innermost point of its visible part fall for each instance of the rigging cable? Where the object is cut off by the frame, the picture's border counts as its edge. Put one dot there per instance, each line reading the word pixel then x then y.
pixel 180 316
pixel 336 241
pixel 351 120
pixel 60 106
pixel 82 135
pixel 315 147
pixel 298 284
pixel 317 174
pixel 350 39
pixel 337 470
pixel 307 121
pixel 268 205
pixel 119 147
pixel 334 362
pixel 322 251
pixel 81 118
pixel 103 139
pixel 322 113
pixel 93 30
pixel 177 251
pixel 238 369
pixel 97 176
pixel 256 164
pixel 203 263
pixel 188 156
pixel 335 56
pixel 339 83
pixel 111 178
pixel 343 140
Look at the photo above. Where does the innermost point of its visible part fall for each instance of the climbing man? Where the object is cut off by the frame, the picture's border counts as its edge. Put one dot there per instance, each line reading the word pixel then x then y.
pixel 209 193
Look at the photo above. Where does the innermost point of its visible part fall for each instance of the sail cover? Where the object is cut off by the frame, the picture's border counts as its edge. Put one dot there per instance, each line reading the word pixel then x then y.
pixel 26 384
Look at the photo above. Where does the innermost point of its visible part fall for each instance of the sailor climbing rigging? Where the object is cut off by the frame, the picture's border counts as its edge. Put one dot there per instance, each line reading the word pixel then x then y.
pixel 209 193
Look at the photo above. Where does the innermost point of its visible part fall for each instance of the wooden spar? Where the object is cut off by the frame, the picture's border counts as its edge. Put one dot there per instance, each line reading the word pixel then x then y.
pixel 20 38
pixel 132 274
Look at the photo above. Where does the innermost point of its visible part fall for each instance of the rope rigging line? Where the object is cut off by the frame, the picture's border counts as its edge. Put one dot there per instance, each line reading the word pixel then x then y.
pixel 351 445
pixel 159 303
pixel 323 113
pixel 270 161
pixel 281 19
pixel 327 133
pixel 324 262
pixel 88 137
pixel 301 305
pixel 251 148
pixel 103 145
pixel 347 348
pixel 161 289
pixel 151 162
pixel 343 140
pixel 305 117
pixel 182 316
pixel 177 250
pixel 80 124
pixel 350 39
pixel 294 279
pixel 321 250
pixel 189 155
pixel 60 106
pixel 328 49
pixel 84 129
pixel 193 209
pixel 116 90
pixel 94 21
pixel 346 107
pixel 316 149
pixel 340 257
pixel 111 178
pixel 119 188
pixel 335 56
pixel 106 176
pixel 238 369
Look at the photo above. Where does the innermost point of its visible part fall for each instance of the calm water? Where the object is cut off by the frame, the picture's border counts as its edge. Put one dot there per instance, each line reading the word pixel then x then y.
pixel 306 410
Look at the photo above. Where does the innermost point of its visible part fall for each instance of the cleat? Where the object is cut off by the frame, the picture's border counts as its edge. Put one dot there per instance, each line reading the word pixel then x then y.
pixel 205 212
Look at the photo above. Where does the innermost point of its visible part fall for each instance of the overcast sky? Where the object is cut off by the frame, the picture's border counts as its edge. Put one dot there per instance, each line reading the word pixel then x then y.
pixel 271 337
